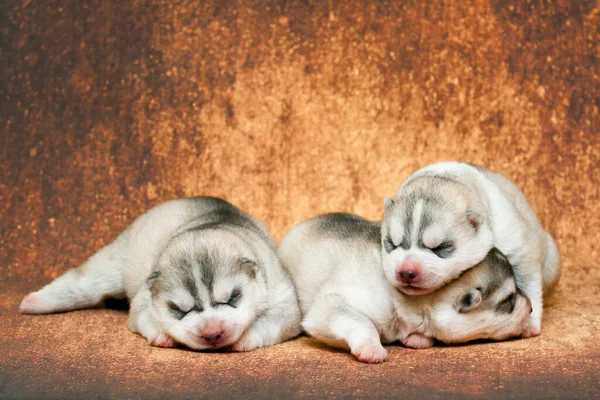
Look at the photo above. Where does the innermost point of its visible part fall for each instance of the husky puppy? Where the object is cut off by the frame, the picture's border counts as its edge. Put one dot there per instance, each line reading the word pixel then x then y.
pixel 347 302
pixel 447 216
pixel 196 271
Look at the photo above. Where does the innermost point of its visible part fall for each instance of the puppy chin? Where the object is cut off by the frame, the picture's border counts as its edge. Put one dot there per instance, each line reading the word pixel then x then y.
pixel 200 344
pixel 413 290
pixel 416 288
pixel 195 341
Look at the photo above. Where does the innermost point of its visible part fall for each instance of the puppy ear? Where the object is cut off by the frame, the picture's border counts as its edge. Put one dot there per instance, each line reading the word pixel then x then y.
pixel 498 255
pixel 469 301
pixel 249 267
pixel 152 279
pixel 388 201
pixel 475 220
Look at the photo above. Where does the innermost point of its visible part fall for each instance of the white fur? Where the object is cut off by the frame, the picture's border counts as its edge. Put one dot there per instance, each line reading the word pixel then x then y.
pixel 434 270
pixel 347 302
pixel 267 314
pixel 508 223
pixel 416 218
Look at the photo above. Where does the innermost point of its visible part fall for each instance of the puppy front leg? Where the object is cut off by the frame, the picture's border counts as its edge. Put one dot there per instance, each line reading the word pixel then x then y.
pixel 417 341
pixel 533 290
pixel 273 326
pixel 141 321
pixel 336 323
pixel 529 280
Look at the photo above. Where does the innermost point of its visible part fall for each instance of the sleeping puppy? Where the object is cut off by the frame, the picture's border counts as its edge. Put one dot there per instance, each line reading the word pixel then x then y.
pixel 347 302
pixel 196 271
pixel 445 219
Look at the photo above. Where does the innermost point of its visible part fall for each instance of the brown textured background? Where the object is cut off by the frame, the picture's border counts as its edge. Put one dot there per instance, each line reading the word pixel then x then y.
pixel 288 109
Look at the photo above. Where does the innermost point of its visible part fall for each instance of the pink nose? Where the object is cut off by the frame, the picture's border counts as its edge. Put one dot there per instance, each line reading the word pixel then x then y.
pixel 409 271
pixel 212 333
pixel 213 337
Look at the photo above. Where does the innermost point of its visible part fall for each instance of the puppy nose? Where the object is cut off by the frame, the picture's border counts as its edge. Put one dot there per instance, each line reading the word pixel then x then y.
pixel 213 337
pixel 408 276
pixel 409 271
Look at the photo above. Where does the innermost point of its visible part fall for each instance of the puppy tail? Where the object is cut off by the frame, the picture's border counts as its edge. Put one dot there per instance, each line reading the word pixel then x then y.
pixel 100 277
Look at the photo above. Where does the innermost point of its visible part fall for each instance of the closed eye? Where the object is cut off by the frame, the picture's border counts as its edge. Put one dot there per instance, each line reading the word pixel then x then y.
pixel 235 297
pixel 508 304
pixel 177 312
pixel 444 250
pixel 508 298
pixel 389 244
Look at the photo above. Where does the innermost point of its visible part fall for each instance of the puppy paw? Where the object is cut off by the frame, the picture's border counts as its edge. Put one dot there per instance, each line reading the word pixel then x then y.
pixel 530 332
pixel 417 341
pixel 163 340
pixel 371 353
pixel 34 303
pixel 247 343
pixel 532 328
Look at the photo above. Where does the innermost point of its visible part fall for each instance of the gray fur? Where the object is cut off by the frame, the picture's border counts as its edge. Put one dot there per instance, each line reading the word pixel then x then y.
pixel 179 261
pixel 348 226
pixel 498 272
pixel 213 211
pixel 335 262
pixel 484 209
pixel 428 192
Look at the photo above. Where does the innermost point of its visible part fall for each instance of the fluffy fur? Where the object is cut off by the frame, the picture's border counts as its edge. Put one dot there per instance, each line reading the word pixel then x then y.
pixel 447 216
pixel 347 302
pixel 196 271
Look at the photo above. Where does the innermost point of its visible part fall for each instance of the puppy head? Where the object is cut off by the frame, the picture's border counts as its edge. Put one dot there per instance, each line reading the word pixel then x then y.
pixel 483 303
pixel 432 232
pixel 207 288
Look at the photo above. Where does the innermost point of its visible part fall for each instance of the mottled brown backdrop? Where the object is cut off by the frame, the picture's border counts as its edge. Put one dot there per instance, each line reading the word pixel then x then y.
pixel 288 109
